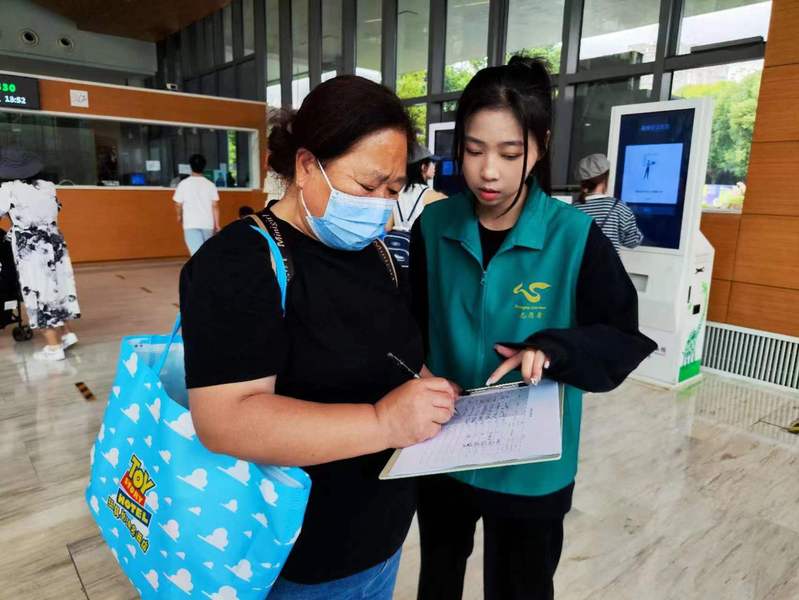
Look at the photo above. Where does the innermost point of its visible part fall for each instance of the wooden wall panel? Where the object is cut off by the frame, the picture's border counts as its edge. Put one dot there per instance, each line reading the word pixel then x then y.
pixel 782 47
pixel 150 105
pixel 719 300
pixel 101 225
pixel 764 308
pixel 771 187
pixel 768 248
pixel 777 115
pixel 137 103
pixel 721 230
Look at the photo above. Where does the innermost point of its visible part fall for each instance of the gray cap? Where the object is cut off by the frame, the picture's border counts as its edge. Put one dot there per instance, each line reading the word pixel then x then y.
pixel 592 166
pixel 16 163
pixel 419 152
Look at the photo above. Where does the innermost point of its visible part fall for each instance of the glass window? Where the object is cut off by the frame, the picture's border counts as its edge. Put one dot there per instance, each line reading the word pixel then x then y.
pixel 467 42
pixel 210 41
pixel 121 153
pixel 413 39
pixel 535 28
pixel 332 49
pixel 227 82
pixel 248 23
pixel 592 104
pixel 273 97
pixel 617 32
pixel 200 62
pixel 369 36
pixel 246 75
pixel 735 88
pixel 714 21
pixel 300 81
pixel 418 114
pixel 227 31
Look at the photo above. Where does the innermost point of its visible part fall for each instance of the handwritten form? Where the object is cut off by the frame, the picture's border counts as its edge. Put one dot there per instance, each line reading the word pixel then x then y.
pixel 492 428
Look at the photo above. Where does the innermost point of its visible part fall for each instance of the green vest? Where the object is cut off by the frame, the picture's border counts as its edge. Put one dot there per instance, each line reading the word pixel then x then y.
pixel 529 285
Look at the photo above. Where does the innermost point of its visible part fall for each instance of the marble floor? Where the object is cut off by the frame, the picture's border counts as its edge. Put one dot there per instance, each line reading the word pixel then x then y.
pixel 680 495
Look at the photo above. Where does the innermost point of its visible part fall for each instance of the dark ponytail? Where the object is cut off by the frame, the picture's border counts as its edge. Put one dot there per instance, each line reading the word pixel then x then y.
pixel 524 87
pixel 334 116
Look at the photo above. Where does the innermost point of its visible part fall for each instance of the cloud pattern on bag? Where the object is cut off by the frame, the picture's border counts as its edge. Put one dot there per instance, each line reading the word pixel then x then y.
pixel 180 520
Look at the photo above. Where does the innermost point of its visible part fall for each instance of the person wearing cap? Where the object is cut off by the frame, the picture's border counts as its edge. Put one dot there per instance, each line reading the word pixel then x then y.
pixel 40 253
pixel 613 216
pixel 415 195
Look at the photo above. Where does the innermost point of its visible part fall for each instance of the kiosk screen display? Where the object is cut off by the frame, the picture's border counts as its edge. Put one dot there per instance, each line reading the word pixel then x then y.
pixel 651 172
pixel 448 179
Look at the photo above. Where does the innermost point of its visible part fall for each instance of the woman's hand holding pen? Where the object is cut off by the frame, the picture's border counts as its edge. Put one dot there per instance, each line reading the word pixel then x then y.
pixel 532 363
pixel 416 410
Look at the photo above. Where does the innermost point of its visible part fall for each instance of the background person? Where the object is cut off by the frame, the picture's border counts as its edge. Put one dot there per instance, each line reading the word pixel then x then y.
pixel 613 216
pixel 197 205
pixel 40 253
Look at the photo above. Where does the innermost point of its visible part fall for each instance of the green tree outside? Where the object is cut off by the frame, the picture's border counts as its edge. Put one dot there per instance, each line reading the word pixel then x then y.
pixel 733 124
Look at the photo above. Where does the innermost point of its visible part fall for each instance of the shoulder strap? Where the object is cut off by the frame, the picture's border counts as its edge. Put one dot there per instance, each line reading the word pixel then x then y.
pixel 272 227
pixel 612 208
pixel 385 256
pixel 278 266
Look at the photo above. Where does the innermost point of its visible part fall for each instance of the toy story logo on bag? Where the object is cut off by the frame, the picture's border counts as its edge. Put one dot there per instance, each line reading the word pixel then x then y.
pixel 131 501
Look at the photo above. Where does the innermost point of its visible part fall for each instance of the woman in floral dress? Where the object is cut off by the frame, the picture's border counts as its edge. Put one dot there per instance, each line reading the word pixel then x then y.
pixel 40 253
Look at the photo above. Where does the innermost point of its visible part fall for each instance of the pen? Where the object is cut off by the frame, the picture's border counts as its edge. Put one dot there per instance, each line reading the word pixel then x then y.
pixel 402 364
pixel 504 386
pixel 399 361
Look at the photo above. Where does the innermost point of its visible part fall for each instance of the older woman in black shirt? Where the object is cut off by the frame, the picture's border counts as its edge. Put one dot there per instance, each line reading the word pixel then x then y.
pixel 314 387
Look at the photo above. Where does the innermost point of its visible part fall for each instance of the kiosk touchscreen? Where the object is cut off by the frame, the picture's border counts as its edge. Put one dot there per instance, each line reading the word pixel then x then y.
pixel 448 178
pixel 659 155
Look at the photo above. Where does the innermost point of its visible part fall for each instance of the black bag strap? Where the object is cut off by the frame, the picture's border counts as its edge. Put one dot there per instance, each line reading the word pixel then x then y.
pixel 612 208
pixel 413 208
pixel 385 256
pixel 269 224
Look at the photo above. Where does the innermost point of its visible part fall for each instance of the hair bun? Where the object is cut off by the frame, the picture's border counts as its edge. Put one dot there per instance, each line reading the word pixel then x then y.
pixel 282 144
pixel 537 66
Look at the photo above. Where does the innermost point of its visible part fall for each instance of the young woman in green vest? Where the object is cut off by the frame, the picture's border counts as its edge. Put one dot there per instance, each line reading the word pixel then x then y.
pixel 506 278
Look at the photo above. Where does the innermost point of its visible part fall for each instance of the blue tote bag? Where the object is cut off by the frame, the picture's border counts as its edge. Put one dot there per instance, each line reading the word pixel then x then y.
pixel 181 520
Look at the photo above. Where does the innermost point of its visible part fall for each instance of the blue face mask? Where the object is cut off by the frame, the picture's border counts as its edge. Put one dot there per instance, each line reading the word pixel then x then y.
pixel 350 222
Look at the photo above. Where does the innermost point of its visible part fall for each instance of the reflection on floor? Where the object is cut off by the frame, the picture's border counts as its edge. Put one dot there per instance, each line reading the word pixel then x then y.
pixel 680 495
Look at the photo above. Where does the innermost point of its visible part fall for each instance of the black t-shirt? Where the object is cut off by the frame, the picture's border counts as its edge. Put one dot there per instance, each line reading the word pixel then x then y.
pixel 344 313
pixel 490 240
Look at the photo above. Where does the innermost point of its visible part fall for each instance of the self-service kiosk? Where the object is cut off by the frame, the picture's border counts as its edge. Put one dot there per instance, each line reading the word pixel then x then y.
pixel 659 152
pixel 440 137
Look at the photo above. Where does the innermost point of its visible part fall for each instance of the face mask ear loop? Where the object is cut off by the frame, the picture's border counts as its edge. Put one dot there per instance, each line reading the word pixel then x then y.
pixel 321 168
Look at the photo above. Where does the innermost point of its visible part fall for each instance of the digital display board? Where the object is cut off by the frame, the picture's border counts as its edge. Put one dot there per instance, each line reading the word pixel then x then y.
pixel 652 169
pixel 19 92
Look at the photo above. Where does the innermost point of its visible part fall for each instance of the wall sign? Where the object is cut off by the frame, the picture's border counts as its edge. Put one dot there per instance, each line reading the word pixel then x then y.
pixel 79 98
pixel 19 92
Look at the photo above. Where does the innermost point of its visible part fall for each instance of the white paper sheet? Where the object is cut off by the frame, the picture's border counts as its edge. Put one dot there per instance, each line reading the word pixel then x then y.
pixel 492 428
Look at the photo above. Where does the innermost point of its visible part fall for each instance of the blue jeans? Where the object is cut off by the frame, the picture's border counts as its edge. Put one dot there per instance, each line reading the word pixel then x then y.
pixel 196 237
pixel 376 583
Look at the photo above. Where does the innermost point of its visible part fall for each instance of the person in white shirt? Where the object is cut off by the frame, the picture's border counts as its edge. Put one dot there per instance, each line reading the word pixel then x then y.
pixel 415 195
pixel 613 216
pixel 197 205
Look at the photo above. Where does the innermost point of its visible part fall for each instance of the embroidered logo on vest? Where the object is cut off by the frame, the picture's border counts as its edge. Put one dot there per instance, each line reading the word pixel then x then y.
pixel 531 308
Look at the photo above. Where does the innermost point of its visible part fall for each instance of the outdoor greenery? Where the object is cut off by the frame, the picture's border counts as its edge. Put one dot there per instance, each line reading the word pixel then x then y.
pixel 413 84
pixel 733 123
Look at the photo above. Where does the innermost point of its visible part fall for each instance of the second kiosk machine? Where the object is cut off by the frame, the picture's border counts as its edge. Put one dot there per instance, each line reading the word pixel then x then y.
pixel 659 153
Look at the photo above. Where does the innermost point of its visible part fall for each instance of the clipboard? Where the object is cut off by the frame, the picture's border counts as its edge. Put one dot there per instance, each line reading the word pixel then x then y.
pixel 390 471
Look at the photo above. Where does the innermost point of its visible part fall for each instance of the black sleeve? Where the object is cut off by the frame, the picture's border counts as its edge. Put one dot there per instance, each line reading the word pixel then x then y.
pixel 233 326
pixel 606 346
pixel 418 281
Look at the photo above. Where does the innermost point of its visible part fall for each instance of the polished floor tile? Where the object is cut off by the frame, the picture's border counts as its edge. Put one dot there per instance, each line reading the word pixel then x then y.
pixel 680 495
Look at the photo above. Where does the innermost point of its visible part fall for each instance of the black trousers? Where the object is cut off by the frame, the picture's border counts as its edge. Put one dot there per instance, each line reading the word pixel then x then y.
pixel 523 540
